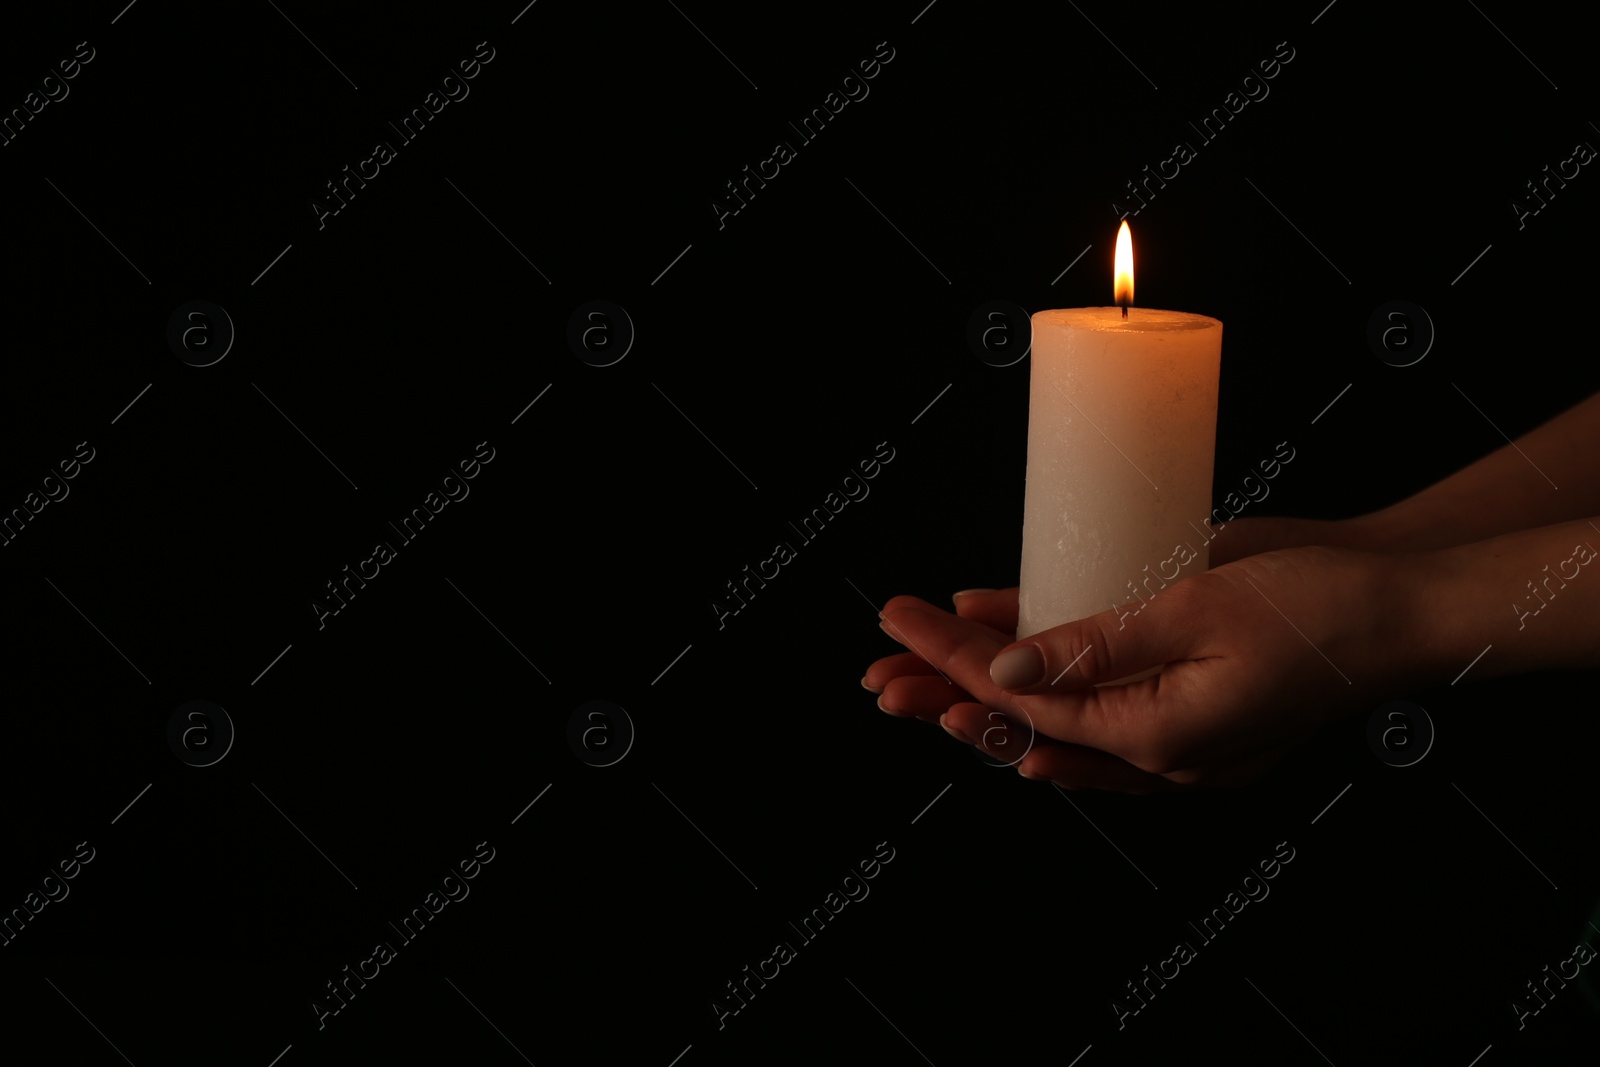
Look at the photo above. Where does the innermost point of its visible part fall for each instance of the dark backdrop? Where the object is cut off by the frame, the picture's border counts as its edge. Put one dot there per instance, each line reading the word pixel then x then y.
pixel 772 349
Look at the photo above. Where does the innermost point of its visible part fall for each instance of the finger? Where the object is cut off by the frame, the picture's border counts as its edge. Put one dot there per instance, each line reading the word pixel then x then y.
pixel 1036 756
pixel 906 602
pixel 1112 646
pixel 992 732
pixel 1075 767
pixel 899 665
pixel 996 608
pixel 924 697
pixel 1117 720
pixel 959 649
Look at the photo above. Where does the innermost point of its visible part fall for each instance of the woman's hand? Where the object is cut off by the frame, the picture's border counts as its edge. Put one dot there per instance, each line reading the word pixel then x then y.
pixel 1249 537
pixel 1254 655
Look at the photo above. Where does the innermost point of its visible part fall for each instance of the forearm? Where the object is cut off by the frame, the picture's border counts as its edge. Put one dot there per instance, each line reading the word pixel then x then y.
pixel 1549 475
pixel 1531 598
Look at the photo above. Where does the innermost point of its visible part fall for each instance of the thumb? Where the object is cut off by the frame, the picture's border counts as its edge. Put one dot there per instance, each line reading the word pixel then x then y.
pixel 1104 648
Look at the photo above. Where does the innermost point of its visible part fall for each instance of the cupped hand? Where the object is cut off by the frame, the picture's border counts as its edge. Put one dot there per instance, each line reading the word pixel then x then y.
pixel 1253 656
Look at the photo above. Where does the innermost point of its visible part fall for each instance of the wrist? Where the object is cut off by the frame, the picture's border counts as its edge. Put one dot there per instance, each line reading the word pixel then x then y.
pixel 1414 639
pixel 1522 601
pixel 1378 531
pixel 1446 616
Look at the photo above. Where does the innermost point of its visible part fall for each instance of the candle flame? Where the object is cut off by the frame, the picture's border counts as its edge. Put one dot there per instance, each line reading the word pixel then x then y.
pixel 1122 289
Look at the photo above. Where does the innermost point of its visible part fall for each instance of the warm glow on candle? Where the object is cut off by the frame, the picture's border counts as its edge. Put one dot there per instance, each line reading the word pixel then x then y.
pixel 1107 526
pixel 1122 291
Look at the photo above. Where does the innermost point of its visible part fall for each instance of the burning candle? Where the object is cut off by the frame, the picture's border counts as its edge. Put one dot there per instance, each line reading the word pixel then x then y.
pixel 1122 424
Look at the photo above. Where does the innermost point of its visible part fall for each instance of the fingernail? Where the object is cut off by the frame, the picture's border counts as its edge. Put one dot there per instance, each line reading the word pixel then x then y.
pixel 884 709
pixel 1019 668
pixel 952 731
pixel 965 592
pixel 888 626
pixel 869 688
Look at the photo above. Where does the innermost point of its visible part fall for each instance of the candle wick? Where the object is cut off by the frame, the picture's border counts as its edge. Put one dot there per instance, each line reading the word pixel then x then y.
pixel 1124 310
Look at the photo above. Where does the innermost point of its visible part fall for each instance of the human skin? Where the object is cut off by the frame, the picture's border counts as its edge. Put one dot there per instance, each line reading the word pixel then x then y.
pixel 1297 623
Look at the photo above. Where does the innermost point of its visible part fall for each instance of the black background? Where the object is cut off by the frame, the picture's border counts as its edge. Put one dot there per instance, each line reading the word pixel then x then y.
pixel 819 321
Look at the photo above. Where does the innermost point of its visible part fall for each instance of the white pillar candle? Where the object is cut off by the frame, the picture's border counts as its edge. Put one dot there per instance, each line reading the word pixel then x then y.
pixel 1122 422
